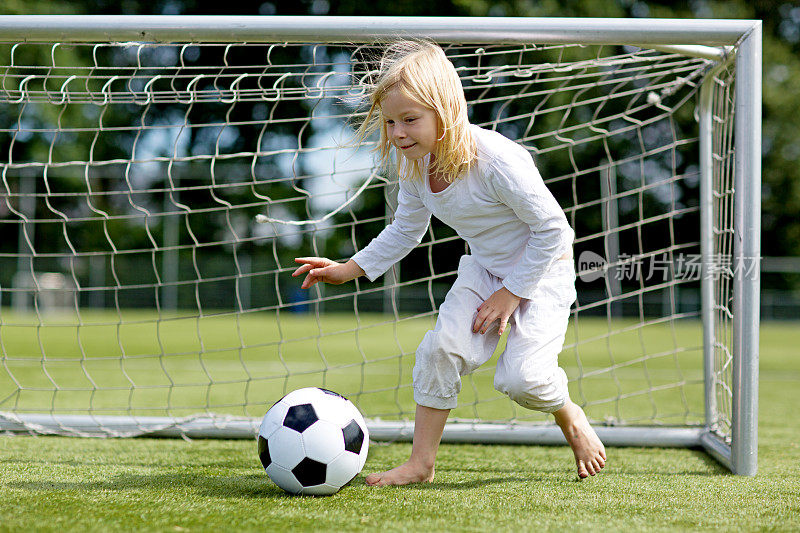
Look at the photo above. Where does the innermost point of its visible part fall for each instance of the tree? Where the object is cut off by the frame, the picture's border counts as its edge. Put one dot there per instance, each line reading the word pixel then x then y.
pixel 781 147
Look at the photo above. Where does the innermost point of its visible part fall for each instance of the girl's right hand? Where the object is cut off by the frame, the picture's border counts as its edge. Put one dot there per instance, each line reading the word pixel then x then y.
pixel 323 269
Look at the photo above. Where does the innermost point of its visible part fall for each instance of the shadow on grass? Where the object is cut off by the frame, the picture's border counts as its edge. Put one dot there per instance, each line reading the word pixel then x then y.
pixel 473 484
pixel 123 463
pixel 239 487
pixel 655 462
pixel 693 462
pixel 714 467
pixel 246 486
pixel 526 471
pixel 258 486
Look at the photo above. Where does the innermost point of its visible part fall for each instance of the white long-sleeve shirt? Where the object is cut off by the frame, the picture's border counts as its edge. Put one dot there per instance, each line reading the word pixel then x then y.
pixel 513 225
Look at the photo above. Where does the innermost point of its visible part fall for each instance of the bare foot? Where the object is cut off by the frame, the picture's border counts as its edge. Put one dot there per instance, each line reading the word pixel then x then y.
pixel 404 474
pixel 590 454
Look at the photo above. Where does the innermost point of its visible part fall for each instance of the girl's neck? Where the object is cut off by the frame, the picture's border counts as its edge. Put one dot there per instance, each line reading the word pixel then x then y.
pixel 436 180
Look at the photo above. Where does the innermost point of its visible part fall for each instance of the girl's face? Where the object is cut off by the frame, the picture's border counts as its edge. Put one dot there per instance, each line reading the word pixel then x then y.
pixel 411 127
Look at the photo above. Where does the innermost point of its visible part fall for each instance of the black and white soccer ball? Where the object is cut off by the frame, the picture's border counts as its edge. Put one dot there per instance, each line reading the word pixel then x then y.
pixel 313 441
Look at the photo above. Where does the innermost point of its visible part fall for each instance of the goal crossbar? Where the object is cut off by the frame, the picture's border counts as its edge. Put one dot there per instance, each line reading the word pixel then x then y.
pixel 157 28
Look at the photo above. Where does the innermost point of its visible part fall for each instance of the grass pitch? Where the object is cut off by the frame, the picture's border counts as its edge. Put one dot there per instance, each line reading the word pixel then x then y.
pixel 51 483
pixel 137 363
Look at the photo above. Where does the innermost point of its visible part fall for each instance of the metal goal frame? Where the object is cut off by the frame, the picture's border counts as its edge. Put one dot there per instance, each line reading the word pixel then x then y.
pixel 720 40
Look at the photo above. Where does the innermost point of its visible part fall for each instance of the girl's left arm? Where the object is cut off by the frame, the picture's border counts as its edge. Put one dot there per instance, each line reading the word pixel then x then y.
pixel 499 306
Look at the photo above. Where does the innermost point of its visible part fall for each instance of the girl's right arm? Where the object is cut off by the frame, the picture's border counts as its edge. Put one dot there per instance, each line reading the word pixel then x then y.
pixel 322 269
pixel 392 244
pixel 411 219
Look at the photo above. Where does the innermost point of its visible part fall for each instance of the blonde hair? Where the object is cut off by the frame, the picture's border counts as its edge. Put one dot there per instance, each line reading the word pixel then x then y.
pixel 421 70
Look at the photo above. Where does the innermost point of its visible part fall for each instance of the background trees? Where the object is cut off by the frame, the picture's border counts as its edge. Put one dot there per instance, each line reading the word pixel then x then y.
pixel 781 132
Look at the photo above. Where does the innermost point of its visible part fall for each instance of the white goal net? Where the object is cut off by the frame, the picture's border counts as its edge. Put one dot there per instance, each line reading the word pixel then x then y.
pixel 139 295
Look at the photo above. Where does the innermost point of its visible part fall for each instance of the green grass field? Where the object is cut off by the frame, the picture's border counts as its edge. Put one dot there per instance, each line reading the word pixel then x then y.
pixel 134 364
pixel 56 483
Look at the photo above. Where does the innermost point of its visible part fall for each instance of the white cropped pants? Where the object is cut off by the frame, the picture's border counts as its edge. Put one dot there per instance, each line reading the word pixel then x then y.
pixel 527 370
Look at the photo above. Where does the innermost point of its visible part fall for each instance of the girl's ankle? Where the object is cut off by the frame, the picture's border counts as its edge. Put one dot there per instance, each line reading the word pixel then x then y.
pixel 422 463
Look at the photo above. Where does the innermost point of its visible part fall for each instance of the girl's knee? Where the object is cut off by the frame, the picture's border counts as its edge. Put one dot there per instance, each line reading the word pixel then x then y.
pixel 539 393
pixel 437 369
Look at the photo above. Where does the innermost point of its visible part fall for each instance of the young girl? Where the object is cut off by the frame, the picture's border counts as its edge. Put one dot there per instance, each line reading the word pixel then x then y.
pixel 519 273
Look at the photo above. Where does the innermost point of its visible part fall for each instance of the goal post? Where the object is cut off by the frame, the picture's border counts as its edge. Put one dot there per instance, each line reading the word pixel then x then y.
pixel 138 295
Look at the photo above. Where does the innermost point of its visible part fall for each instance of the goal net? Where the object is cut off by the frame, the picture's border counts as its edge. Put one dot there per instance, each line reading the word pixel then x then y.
pixel 140 296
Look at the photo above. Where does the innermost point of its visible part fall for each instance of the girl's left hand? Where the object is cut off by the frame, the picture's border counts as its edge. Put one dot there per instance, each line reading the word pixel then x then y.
pixel 499 305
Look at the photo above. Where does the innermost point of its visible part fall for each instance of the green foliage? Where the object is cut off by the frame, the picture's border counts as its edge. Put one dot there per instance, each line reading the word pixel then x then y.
pixel 781 92
pixel 40 7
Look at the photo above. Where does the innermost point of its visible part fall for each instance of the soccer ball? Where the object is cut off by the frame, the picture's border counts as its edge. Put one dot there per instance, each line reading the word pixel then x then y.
pixel 313 441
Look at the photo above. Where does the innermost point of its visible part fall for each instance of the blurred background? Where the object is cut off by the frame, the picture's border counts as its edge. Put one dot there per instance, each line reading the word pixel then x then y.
pixel 781 69
pixel 158 299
